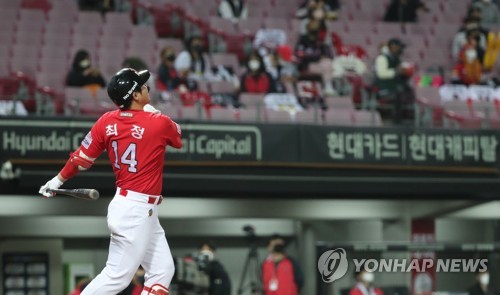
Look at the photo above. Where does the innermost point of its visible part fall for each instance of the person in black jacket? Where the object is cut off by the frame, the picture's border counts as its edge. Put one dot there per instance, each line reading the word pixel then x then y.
pixel 481 285
pixel 220 284
pixel 82 73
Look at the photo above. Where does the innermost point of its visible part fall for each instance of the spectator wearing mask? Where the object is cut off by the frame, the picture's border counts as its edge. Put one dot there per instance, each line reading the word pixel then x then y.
pixel 490 14
pixel 82 74
pixel 391 78
pixel 470 27
pixel 364 283
pixel 167 75
pixel 220 284
pixel 481 287
pixel 321 11
pixel 281 274
pixel 310 48
pixel 256 79
pixel 193 62
pixel 233 10
pixel 468 70
pixel 404 11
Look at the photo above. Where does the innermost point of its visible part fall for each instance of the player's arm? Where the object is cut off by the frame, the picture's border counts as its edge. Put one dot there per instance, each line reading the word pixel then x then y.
pixel 81 159
pixel 175 135
pixel 174 131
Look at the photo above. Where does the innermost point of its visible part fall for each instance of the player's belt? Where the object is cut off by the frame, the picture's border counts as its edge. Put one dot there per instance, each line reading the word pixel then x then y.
pixel 156 200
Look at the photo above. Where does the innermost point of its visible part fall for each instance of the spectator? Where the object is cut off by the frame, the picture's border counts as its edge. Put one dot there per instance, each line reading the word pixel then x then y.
pixel 364 283
pixel 468 69
pixel 193 62
pixel 233 10
pixel 280 66
pixel 256 79
pixel 481 285
pixel 470 27
pixel 391 79
pixel 220 284
pixel 82 74
pixel 281 275
pixel 317 10
pixel 404 11
pixel 167 74
pixel 310 48
pixel 490 14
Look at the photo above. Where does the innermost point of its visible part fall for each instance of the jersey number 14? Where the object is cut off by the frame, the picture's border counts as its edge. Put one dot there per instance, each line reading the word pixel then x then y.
pixel 128 157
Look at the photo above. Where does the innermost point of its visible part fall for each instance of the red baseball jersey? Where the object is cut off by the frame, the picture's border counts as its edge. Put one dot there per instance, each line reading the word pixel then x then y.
pixel 136 142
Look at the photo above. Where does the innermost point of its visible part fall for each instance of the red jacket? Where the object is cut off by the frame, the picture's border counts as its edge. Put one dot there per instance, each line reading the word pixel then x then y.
pixel 278 279
pixel 262 83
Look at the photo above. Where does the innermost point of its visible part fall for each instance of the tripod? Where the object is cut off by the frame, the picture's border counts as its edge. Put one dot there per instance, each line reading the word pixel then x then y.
pixel 251 265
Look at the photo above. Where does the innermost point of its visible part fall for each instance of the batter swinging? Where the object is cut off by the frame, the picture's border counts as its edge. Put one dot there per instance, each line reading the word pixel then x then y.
pixel 135 137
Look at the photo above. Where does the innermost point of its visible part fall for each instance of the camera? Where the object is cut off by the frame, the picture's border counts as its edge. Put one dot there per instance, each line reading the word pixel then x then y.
pixel 189 278
pixel 249 231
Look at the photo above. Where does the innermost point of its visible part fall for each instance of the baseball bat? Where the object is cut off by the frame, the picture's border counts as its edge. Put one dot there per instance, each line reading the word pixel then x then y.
pixel 80 193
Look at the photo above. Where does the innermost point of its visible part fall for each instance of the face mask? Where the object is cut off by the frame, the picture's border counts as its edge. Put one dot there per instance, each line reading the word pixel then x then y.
pixel 368 277
pixel 385 50
pixel 254 65
pixel 470 55
pixel 208 254
pixel 85 63
pixel 318 14
pixel 279 248
pixel 485 279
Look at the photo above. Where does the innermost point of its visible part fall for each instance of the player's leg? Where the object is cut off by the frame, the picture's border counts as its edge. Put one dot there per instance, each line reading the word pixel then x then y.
pixel 130 226
pixel 158 262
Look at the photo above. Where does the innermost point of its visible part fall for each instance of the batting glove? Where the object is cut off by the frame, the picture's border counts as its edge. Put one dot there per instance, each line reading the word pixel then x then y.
pixel 54 183
pixel 151 109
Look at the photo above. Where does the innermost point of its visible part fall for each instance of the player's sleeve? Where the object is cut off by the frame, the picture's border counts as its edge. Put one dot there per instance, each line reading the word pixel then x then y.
pixel 93 144
pixel 173 133
pixel 83 158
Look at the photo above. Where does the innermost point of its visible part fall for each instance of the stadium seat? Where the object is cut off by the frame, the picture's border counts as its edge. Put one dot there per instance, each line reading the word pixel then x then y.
pixel 194 113
pixel 278 117
pixel 221 115
pixel 222 87
pixel 367 118
pixel 339 117
pixel 176 44
pixel 341 102
pixel 248 114
pixel 250 99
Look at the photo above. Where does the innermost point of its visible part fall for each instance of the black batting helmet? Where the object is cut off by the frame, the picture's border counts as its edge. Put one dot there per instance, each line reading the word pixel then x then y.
pixel 124 83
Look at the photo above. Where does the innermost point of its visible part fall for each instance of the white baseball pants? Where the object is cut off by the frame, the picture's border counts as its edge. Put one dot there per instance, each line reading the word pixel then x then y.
pixel 137 238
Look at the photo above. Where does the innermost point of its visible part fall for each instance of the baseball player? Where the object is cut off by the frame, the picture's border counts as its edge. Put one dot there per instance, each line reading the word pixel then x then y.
pixel 135 137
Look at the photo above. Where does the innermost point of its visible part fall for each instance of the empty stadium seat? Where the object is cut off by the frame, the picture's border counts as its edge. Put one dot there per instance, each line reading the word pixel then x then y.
pixel 339 117
pixel 221 115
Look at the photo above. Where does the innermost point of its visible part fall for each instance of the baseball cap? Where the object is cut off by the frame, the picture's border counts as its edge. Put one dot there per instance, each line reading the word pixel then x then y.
pixel 124 83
